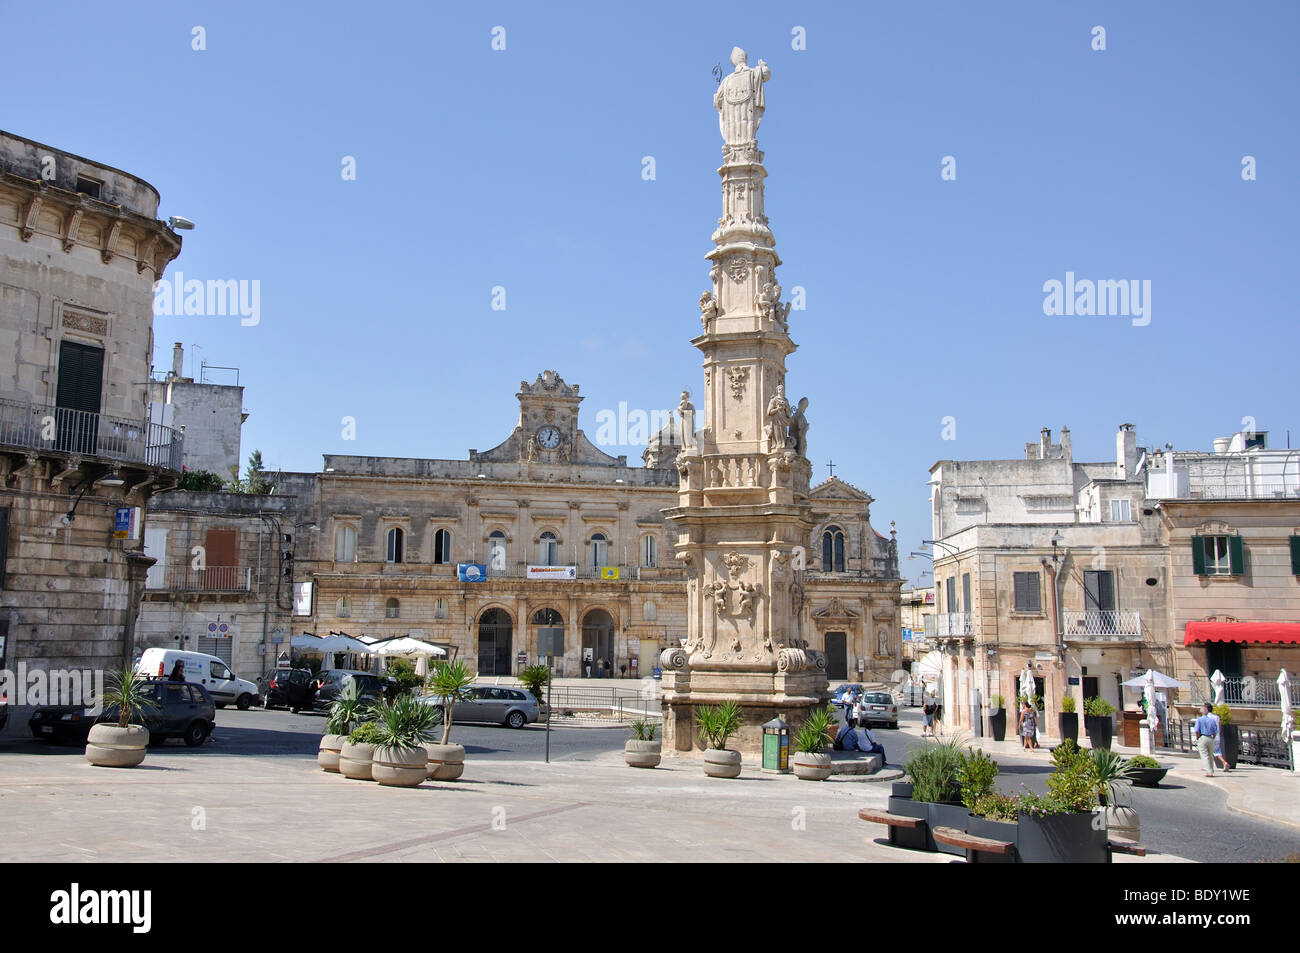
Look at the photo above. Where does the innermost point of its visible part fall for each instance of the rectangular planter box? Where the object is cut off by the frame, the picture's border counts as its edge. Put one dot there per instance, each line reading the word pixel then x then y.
pixel 996 830
pixel 1062 839
pixel 936 815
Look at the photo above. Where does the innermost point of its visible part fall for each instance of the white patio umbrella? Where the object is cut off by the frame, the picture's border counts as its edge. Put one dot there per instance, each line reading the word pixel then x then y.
pixel 1288 719
pixel 1160 679
pixel 1149 693
pixel 1217 680
pixel 406 646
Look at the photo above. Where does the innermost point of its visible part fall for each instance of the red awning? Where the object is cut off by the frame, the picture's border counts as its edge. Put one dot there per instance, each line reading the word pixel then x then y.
pixel 1282 632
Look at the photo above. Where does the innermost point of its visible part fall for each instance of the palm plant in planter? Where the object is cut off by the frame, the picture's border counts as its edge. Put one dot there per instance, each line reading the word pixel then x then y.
pixel 345 714
pixel 717 723
pixel 122 745
pixel 1068 720
pixel 811 761
pixel 1097 722
pixel 642 750
pixel 1113 776
pixel 402 728
pixel 997 718
pixel 449 682
pixel 535 678
pixel 357 755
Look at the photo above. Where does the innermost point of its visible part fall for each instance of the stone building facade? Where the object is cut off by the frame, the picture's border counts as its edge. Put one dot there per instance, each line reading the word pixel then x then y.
pixel 210 415
pixel 372 547
pixel 1090 573
pixel 80 249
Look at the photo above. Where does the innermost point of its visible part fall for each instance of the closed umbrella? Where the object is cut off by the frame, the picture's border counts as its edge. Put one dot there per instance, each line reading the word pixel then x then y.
pixel 1149 693
pixel 1027 685
pixel 422 666
pixel 1217 680
pixel 1288 719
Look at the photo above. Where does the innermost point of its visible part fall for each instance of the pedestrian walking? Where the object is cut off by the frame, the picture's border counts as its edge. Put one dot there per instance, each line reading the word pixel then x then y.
pixel 927 714
pixel 1204 733
pixel 938 717
pixel 178 672
pixel 1027 727
pixel 1218 741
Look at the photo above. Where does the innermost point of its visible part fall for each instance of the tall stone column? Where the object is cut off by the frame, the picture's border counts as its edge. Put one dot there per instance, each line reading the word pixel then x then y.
pixel 743 516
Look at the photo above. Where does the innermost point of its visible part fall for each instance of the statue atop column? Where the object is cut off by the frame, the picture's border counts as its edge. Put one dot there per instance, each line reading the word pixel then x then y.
pixel 778 421
pixel 739 100
pixel 799 429
pixel 687 411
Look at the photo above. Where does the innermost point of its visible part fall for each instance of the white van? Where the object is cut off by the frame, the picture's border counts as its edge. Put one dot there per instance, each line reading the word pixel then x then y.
pixel 206 670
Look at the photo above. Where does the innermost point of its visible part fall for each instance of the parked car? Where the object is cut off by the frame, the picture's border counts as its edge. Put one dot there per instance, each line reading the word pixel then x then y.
pixel 292 688
pixel 330 685
pixel 878 708
pixel 837 696
pixel 206 670
pixel 179 710
pixel 493 705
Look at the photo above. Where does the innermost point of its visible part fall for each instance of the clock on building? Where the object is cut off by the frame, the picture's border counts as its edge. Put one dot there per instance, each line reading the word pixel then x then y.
pixel 548 438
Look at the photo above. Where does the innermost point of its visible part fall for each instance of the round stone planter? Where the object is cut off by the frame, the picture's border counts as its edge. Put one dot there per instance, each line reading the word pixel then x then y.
pixel 642 754
pixel 1149 777
pixel 355 761
pixel 1122 822
pixel 400 767
pixel 721 763
pixel 112 747
pixel 811 767
pixel 446 762
pixel 328 755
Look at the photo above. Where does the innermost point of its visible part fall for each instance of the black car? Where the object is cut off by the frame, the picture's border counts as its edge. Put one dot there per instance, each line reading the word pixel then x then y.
pixel 179 710
pixel 289 688
pixel 330 686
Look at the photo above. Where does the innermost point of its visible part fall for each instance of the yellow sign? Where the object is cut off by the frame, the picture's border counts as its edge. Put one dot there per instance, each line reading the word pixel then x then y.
pixel 608 572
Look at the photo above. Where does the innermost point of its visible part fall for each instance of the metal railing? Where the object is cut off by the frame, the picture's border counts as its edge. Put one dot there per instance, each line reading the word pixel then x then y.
pixel 210 579
pixel 1242 488
pixel 1246 691
pixel 32 426
pixel 1103 625
pixel 948 625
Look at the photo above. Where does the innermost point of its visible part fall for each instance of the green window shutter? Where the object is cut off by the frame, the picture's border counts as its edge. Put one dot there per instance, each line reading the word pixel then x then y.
pixel 1295 555
pixel 1236 559
pixel 1198 555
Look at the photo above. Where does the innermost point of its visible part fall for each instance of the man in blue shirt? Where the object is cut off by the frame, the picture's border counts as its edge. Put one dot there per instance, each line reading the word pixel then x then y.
pixel 1204 732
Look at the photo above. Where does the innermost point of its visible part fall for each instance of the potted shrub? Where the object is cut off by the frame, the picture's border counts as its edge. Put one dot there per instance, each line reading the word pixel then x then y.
pixel 717 723
pixel 934 770
pixel 402 675
pixel 121 745
pixel 449 682
pixel 1068 720
pixel 1063 826
pixel 996 816
pixel 1146 772
pixel 402 728
pixel 1112 777
pixel 1097 721
pixel 1231 743
pixel 642 750
pixel 345 714
pixel 357 754
pixel 997 718
pixel 811 761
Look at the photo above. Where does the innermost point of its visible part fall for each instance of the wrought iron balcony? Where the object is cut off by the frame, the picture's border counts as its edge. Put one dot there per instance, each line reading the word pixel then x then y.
pixel 1103 625
pixel 43 427
pixel 212 579
pixel 1244 691
pixel 949 625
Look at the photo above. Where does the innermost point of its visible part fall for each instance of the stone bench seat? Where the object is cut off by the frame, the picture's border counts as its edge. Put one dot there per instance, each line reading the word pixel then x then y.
pixel 978 849
pixel 903 831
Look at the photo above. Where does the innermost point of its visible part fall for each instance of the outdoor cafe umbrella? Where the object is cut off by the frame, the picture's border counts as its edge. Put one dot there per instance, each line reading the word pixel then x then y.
pixel 1217 680
pixel 406 646
pixel 1288 719
pixel 1149 693
pixel 1158 679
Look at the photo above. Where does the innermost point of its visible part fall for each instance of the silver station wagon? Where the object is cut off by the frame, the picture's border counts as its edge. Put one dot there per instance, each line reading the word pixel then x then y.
pixel 493 705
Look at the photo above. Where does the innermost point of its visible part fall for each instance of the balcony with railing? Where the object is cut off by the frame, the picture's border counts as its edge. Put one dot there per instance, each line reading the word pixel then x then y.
pixel 949 625
pixel 211 579
pixel 44 427
pixel 1245 691
pixel 1103 625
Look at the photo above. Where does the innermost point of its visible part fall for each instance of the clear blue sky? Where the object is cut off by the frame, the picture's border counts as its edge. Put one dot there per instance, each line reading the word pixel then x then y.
pixel 522 169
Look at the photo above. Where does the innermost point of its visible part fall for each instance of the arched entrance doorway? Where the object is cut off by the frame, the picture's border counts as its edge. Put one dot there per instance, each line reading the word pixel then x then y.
pixel 597 644
pixel 494 642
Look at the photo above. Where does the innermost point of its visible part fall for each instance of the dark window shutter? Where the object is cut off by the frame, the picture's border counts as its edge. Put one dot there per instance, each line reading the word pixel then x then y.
pixel 1236 557
pixel 1035 603
pixel 1198 555
pixel 1295 556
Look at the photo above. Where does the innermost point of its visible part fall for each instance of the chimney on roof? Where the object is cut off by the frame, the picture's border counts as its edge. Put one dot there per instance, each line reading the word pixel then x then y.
pixel 1044 443
pixel 1066 450
pixel 1126 452
pixel 178 360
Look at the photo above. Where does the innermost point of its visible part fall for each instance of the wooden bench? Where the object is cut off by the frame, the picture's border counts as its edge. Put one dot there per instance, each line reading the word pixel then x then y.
pixel 903 831
pixel 978 849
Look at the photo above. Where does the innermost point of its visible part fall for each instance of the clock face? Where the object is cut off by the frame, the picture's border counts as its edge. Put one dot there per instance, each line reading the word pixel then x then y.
pixel 548 438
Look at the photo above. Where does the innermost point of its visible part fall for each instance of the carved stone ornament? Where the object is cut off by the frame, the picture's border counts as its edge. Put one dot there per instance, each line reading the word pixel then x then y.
pixel 738 269
pixel 779 561
pixel 737 377
pixel 673 659
pixel 737 563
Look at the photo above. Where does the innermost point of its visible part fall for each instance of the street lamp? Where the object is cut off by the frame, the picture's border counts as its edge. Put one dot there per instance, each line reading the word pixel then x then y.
pixel 934 542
